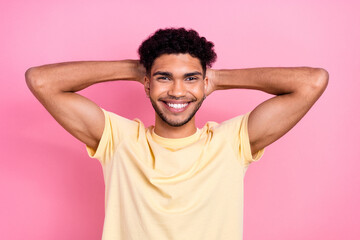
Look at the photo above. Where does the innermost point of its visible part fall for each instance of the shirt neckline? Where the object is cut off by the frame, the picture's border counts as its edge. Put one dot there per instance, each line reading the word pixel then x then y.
pixel 175 142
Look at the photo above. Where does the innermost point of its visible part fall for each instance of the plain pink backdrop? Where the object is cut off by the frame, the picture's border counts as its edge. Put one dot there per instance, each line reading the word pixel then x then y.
pixel 305 187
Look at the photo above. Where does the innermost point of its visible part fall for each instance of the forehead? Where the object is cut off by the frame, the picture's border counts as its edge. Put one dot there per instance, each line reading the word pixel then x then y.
pixel 176 63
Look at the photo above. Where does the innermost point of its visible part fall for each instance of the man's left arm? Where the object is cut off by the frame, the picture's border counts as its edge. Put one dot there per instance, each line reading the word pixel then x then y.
pixel 296 90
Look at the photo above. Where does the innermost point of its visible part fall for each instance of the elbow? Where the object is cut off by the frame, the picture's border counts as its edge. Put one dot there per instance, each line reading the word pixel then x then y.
pixel 321 79
pixel 316 82
pixel 28 75
pixel 33 80
pixel 29 78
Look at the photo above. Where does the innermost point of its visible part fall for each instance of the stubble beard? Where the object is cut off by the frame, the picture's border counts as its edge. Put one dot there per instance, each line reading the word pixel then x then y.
pixel 176 123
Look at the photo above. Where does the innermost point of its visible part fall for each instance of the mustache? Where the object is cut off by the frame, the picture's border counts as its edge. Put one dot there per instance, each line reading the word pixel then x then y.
pixel 178 99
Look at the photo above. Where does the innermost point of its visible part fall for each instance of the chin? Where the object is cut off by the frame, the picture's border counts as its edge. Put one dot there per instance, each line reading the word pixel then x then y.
pixel 176 123
pixel 176 117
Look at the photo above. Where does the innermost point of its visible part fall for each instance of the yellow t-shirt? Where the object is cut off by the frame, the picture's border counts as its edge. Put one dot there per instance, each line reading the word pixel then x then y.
pixel 173 189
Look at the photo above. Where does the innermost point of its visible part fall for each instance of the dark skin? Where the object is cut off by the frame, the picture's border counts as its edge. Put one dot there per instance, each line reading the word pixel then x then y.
pixel 179 81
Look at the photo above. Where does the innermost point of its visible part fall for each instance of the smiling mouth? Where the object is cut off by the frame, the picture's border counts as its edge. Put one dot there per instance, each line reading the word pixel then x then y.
pixel 176 107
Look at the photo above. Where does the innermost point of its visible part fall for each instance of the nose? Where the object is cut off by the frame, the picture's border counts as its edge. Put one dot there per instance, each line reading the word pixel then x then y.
pixel 177 89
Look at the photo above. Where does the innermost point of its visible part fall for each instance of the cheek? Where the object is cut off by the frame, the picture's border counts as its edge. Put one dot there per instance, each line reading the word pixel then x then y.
pixel 155 89
pixel 198 89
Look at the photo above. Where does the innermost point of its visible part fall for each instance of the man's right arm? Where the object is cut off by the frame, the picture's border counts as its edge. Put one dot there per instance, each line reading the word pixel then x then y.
pixel 54 85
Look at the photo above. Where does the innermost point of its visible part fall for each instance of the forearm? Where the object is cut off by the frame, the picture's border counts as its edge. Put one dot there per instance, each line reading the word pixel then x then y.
pixel 273 80
pixel 75 76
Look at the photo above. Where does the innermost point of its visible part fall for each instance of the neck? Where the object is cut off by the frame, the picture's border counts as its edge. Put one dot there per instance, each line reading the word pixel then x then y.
pixel 166 131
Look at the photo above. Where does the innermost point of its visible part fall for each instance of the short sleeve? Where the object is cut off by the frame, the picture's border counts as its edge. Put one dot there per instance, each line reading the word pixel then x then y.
pixel 116 127
pixel 245 149
pixel 237 134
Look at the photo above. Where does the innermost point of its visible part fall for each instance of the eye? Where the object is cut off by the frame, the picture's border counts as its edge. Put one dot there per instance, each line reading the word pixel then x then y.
pixel 163 78
pixel 191 78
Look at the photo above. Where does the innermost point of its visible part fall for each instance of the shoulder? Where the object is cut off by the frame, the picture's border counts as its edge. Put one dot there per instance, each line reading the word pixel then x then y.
pixel 114 117
pixel 230 127
pixel 122 126
pixel 234 123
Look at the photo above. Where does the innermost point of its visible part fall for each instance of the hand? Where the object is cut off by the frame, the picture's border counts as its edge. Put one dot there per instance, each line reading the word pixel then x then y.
pixel 211 75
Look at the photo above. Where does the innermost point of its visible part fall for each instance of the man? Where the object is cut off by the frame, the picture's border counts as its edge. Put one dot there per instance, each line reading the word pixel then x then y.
pixel 173 180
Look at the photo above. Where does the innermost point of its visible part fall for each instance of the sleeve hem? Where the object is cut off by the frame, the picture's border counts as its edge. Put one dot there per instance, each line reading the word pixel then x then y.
pixel 245 143
pixel 94 153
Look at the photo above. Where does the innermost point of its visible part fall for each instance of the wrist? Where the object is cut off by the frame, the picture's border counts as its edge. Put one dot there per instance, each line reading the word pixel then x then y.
pixel 129 70
pixel 230 78
pixel 217 76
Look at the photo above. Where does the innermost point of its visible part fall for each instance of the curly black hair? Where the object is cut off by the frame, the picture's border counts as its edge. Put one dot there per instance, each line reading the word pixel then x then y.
pixel 174 41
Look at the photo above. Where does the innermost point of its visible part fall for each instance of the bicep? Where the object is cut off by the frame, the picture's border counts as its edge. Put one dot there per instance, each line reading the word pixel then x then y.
pixel 270 120
pixel 78 115
pixel 275 117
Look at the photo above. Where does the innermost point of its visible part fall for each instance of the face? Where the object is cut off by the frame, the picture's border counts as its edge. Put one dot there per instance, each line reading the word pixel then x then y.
pixel 176 88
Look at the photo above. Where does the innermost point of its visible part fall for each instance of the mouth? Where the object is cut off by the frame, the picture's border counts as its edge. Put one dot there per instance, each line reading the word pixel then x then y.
pixel 176 107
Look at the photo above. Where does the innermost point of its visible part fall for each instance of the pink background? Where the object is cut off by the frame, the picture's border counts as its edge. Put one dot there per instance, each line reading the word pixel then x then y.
pixel 305 187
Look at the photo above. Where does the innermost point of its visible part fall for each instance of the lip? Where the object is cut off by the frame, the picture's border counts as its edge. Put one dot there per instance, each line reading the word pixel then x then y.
pixel 176 101
pixel 174 110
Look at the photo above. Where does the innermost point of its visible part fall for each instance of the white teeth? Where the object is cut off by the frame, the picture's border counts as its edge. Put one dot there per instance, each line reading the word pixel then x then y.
pixel 177 106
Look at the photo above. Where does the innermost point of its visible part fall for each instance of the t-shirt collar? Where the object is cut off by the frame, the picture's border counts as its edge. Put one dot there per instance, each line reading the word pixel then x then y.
pixel 175 142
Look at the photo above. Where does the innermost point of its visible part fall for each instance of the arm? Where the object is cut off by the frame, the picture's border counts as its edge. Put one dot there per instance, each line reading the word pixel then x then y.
pixel 54 85
pixel 296 90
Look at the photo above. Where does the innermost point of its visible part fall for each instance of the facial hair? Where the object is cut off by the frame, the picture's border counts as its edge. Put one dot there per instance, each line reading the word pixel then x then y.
pixel 174 123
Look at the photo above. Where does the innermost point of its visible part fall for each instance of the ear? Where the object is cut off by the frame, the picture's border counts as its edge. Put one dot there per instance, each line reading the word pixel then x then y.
pixel 147 86
pixel 206 83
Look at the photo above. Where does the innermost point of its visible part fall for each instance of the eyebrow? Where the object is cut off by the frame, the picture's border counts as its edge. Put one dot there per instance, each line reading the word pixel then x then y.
pixel 192 74
pixel 169 74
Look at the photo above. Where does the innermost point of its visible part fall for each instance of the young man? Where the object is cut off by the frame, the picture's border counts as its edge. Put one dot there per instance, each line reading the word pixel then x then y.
pixel 173 180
